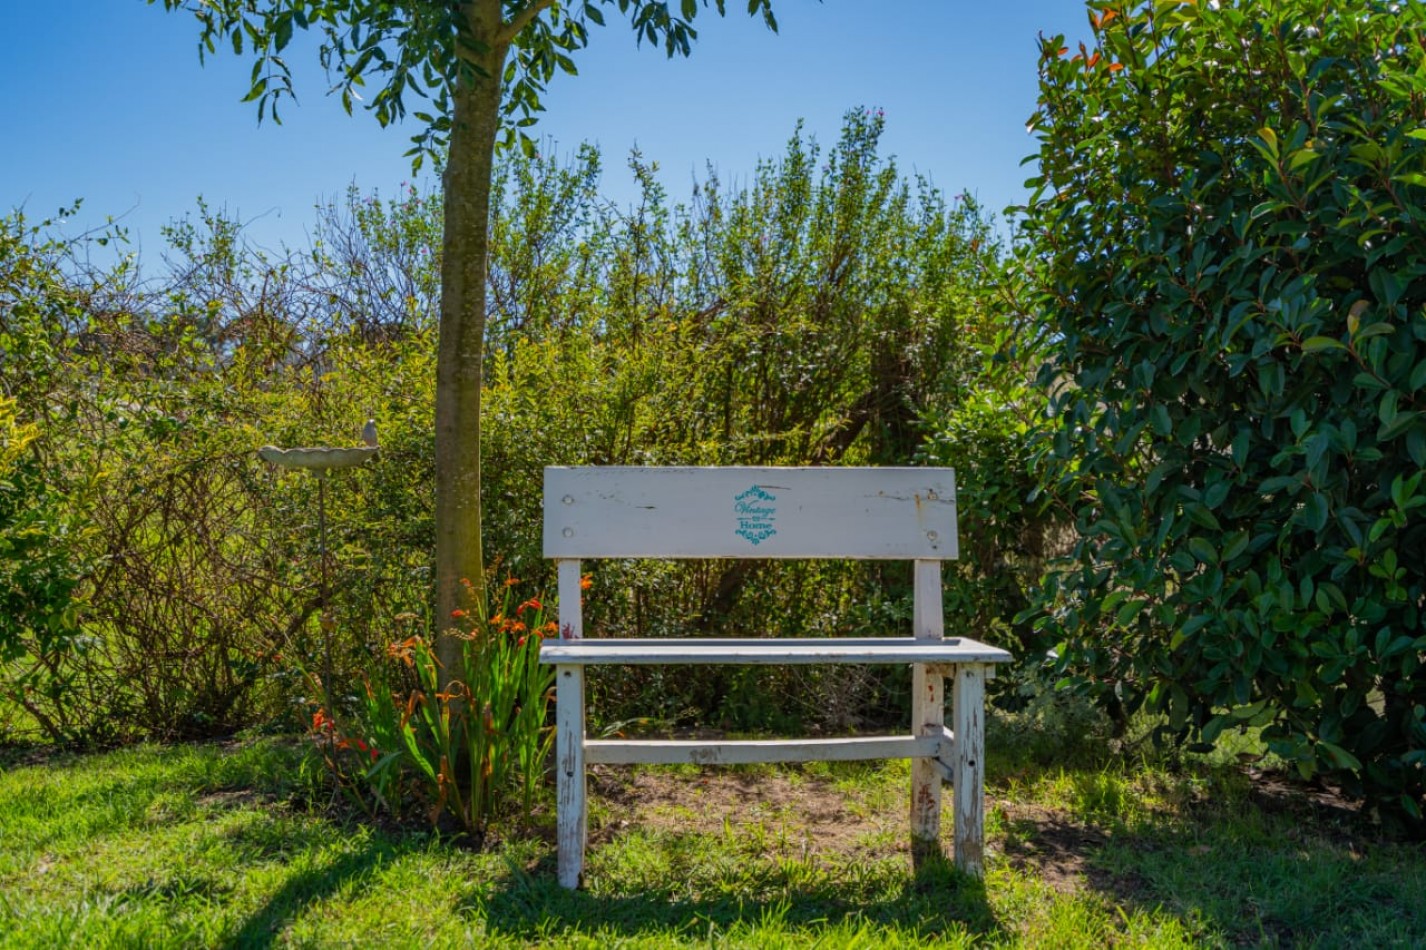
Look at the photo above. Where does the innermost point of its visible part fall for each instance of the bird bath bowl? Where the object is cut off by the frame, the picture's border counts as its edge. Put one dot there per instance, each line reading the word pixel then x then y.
pixel 319 458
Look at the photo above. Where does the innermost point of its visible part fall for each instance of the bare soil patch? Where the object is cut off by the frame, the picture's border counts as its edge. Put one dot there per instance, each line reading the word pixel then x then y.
pixel 791 810
pixel 816 816
pixel 1051 846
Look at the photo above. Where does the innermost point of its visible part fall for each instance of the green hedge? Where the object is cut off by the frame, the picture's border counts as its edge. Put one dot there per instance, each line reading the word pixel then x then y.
pixel 1231 215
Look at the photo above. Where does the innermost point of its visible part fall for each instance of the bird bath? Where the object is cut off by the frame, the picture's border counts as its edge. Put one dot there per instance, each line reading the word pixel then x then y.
pixel 317 458
pixel 321 459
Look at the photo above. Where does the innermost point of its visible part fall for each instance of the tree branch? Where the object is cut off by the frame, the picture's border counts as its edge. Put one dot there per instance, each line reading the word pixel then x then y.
pixel 522 19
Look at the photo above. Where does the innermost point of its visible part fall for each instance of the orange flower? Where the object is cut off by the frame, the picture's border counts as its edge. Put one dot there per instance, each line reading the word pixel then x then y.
pixel 533 603
pixel 457 614
pixel 586 582
pixel 511 581
pixel 403 650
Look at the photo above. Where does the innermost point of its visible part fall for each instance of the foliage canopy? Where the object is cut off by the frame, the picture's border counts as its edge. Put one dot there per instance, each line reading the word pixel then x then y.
pixel 415 50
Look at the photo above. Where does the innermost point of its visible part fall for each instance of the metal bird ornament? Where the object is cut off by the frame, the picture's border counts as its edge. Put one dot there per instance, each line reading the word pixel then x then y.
pixel 368 433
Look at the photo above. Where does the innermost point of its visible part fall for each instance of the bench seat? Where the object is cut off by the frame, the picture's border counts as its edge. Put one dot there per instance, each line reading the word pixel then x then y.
pixel 779 651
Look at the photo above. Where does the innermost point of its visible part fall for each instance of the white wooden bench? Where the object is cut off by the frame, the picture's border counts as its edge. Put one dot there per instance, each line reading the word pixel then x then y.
pixel 842 513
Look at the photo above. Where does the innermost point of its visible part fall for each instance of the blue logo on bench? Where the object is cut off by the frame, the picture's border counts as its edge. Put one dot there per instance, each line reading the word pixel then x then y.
pixel 756 513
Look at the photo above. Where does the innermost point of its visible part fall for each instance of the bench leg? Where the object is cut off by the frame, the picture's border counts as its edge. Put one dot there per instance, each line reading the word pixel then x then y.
pixel 968 723
pixel 569 753
pixel 928 718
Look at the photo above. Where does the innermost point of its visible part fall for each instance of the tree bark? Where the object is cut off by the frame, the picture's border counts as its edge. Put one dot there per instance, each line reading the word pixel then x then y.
pixel 475 121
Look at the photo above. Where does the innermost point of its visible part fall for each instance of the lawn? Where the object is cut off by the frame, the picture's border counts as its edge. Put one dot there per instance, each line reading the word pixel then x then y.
pixel 235 845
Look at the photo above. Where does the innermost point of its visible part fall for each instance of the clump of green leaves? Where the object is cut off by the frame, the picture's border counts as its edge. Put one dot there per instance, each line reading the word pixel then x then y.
pixel 41 558
pixel 473 749
pixel 1230 211
pixel 988 439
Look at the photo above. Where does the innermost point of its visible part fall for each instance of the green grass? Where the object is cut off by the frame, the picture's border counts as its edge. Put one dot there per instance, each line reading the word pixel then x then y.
pixel 229 845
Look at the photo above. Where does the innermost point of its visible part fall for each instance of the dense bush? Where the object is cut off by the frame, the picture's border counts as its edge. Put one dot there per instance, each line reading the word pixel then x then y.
pixel 159 580
pixel 988 438
pixel 43 555
pixel 1230 218
pixel 823 314
pixel 829 312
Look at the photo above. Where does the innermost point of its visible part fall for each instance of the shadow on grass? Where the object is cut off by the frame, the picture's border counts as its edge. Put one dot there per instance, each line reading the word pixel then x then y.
pixel 1269 865
pixel 263 927
pixel 529 904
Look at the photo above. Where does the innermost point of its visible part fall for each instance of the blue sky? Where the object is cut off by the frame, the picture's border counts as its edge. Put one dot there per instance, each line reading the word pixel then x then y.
pixel 109 103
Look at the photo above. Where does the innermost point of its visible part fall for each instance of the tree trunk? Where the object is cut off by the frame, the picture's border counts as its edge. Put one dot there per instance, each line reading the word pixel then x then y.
pixel 475 120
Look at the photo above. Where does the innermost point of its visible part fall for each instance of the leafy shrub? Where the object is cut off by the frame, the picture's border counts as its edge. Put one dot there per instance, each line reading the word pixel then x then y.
pixel 988 439
pixel 37 580
pixel 194 603
pixel 472 751
pixel 827 313
pixel 42 552
pixel 1035 721
pixel 1230 212
pixel 818 315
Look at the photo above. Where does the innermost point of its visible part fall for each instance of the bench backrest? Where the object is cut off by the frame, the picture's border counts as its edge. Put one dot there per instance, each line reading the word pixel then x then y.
pixel 746 512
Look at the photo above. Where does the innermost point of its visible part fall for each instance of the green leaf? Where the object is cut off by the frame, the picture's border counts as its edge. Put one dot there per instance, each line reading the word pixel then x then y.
pixel 1128 612
pixel 1316 344
pixel 1214 727
pixel 1338 756
pixel 1244 713
pixel 1399 423
pixel 1202 549
pixel 1301 157
pixel 1237 544
pixel 1241 440
pixel 282 33
pixel 1380 328
pixel 1269 139
pixel 1159 418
